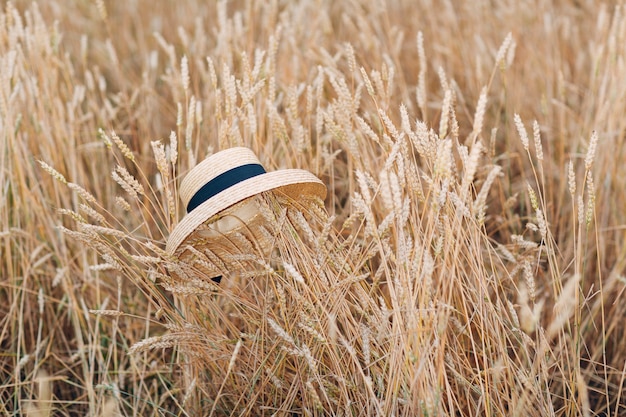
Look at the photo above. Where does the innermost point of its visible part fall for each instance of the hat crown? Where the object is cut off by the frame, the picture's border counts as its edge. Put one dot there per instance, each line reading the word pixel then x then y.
pixel 214 166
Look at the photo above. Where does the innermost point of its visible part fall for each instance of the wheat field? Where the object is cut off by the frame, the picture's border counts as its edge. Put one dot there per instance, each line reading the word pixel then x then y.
pixel 469 258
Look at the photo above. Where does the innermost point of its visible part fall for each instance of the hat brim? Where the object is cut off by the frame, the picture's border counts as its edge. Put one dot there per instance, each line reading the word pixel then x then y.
pixel 291 182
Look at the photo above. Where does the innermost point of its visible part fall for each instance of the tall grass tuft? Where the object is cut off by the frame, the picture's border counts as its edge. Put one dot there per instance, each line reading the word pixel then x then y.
pixel 467 261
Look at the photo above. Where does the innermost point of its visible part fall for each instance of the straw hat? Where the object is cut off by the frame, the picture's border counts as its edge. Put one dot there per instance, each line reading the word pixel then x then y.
pixel 230 178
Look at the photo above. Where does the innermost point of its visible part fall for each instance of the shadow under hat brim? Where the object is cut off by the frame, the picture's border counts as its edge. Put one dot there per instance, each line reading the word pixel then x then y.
pixel 291 182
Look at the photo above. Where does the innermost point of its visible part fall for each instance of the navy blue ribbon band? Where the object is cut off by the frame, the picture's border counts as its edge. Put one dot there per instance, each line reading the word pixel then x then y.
pixel 223 181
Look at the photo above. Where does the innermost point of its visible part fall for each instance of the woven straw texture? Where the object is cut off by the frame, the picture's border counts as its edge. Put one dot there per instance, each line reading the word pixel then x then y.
pixel 292 183
pixel 213 166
